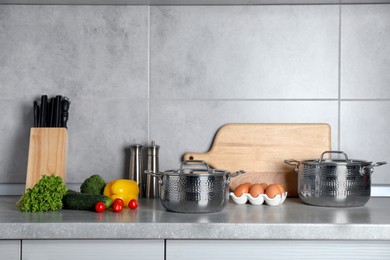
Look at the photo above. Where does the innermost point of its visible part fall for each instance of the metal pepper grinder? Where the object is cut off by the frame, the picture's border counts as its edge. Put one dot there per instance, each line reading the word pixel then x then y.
pixel 152 185
pixel 136 167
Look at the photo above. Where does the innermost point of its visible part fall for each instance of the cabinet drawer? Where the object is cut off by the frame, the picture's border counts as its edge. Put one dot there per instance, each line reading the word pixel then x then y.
pixel 10 249
pixel 276 249
pixel 92 249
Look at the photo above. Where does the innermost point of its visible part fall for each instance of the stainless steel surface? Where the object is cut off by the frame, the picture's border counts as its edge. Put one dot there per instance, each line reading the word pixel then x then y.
pixel 194 188
pixel 136 172
pixel 194 194
pixel 152 185
pixel 372 166
pixel 334 182
pixel 291 220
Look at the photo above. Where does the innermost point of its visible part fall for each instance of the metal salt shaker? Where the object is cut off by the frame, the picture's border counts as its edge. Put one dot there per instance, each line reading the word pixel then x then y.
pixel 136 167
pixel 152 185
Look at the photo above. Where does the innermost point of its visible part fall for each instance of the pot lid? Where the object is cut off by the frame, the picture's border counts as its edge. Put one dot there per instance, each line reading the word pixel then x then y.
pixel 335 162
pixel 196 172
pixel 195 168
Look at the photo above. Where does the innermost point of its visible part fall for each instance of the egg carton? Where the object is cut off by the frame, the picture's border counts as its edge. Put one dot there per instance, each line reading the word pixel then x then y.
pixel 259 200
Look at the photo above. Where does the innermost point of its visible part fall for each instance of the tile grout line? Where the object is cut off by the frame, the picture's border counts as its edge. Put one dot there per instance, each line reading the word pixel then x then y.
pixel 149 101
pixel 339 86
pixel 275 99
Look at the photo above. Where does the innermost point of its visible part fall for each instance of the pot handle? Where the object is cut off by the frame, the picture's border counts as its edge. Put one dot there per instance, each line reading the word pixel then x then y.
pixel 371 167
pixel 198 162
pixel 154 174
pixel 294 163
pixel 338 152
pixel 237 173
pixel 232 175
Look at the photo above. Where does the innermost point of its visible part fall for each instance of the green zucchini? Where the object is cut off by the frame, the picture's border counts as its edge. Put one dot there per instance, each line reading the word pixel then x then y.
pixel 84 201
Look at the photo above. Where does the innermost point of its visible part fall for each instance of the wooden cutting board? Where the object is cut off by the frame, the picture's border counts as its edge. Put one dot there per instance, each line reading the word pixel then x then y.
pixel 260 150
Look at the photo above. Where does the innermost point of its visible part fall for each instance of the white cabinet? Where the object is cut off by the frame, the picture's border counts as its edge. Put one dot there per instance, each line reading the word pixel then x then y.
pixel 276 249
pixel 92 249
pixel 193 249
pixel 10 249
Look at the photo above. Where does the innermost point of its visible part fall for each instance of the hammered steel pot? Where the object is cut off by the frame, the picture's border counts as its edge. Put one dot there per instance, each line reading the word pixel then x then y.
pixel 194 188
pixel 334 182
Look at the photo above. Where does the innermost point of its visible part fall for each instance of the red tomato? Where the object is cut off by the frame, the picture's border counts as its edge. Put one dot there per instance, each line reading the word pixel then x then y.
pixel 133 204
pixel 119 201
pixel 117 207
pixel 100 207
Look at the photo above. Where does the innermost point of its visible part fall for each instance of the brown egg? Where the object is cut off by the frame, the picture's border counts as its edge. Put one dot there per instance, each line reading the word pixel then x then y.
pixel 264 185
pixel 242 188
pixel 273 190
pixel 282 189
pixel 256 189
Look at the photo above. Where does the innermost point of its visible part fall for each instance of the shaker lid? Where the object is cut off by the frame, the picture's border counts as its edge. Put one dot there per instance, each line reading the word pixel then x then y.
pixel 153 149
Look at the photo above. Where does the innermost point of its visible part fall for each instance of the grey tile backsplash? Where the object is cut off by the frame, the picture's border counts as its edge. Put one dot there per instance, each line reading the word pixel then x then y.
pixel 365 52
pixel 175 74
pixel 245 52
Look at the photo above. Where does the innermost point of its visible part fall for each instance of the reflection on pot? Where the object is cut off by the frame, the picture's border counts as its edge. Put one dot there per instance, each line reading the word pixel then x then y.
pixel 334 182
pixel 194 188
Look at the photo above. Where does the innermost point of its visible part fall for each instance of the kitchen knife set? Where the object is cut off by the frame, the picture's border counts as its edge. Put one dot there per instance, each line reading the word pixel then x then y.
pixel 51 113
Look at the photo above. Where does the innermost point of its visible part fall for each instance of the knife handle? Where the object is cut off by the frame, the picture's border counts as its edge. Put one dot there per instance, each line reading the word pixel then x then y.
pixel 36 114
pixel 65 103
pixel 58 111
pixel 51 112
pixel 43 111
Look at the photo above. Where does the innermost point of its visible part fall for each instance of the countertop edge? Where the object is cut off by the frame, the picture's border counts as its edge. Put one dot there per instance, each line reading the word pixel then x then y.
pixel 205 231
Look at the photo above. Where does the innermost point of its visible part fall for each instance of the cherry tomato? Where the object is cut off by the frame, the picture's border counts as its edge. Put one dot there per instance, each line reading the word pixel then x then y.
pixel 133 204
pixel 100 207
pixel 119 201
pixel 117 207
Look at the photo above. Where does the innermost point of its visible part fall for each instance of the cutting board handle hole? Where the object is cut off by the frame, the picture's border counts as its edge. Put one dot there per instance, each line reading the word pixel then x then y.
pixel 191 157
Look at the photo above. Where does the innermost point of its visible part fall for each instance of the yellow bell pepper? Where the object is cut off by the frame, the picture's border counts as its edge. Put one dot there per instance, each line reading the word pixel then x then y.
pixel 122 189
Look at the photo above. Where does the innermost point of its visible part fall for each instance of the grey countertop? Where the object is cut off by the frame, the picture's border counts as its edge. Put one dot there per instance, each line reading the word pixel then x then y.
pixel 291 220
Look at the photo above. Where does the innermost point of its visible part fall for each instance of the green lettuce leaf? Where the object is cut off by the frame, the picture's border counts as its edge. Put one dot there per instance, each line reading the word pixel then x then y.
pixel 46 195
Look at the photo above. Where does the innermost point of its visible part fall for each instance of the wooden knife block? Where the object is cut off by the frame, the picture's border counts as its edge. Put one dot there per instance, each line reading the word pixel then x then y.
pixel 47 154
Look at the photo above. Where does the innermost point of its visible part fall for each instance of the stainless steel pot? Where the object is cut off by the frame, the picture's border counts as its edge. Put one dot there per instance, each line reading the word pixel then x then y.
pixel 194 188
pixel 334 182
